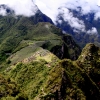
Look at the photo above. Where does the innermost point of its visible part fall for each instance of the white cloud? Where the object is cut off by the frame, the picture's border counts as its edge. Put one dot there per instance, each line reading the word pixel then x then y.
pixel 75 23
pixel 2 12
pixel 97 15
pixel 59 21
pixel 26 7
pixel 92 31
pixel 21 7
pixel 50 7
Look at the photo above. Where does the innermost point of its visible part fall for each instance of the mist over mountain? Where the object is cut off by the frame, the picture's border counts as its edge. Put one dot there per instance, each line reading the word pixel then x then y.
pixel 26 7
pixel 52 10
pixel 79 18
pixel 83 27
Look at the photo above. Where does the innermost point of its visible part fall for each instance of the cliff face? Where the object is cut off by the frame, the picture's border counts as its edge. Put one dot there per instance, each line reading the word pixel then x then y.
pixel 69 49
pixel 89 60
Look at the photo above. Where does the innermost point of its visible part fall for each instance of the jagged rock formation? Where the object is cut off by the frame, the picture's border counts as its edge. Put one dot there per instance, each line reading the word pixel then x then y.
pixel 69 49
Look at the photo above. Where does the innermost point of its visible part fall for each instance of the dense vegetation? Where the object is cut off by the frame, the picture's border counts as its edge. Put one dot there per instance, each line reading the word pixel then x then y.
pixel 18 33
pixel 54 79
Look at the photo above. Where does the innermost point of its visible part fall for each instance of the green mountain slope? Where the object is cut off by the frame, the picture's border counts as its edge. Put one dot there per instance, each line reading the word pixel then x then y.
pixel 54 79
pixel 20 32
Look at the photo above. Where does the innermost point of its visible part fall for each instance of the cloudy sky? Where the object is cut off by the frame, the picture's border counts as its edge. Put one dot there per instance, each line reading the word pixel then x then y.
pixel 50 8
pixel 21 7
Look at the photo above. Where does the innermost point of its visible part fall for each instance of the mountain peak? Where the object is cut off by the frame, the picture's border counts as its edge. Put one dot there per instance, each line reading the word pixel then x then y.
pixel 90 53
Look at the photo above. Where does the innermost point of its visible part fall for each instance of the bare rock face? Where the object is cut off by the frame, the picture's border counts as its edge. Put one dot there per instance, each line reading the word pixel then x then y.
pixel 69 49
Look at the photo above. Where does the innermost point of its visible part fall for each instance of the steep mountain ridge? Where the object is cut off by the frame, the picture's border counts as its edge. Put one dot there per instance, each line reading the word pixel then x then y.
pixel 91 58
pixel 58 80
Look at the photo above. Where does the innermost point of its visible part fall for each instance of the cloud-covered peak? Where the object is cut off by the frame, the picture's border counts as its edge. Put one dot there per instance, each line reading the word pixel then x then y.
pixel 55 9
pixel 76 20
pixel 67 16
pixel 50 7
pixel 20 7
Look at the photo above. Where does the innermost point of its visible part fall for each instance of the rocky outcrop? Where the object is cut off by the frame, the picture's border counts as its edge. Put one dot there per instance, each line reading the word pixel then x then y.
pixel 69 49
pixel 89 60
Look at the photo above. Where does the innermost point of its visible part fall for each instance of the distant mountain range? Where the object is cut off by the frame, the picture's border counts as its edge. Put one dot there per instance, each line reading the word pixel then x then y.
pixel 84 28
